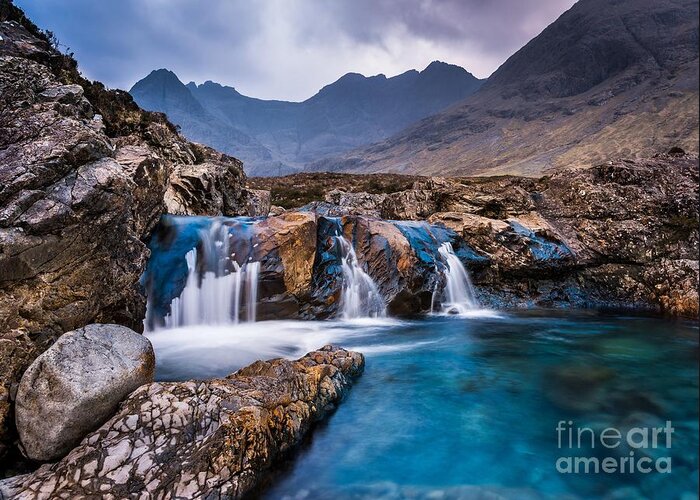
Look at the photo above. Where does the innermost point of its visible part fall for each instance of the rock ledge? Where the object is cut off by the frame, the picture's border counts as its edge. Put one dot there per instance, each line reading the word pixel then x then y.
pixel 213 438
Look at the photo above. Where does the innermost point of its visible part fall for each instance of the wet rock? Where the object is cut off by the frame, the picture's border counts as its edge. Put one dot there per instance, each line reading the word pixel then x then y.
pixel 83 179
pixel 285 246
pixel 401 258
pixel 76 384
pixel 199 438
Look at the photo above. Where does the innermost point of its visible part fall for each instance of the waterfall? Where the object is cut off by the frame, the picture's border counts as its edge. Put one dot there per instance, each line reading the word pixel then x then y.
pixel 458 293
pixel 360 296
pixel 217 287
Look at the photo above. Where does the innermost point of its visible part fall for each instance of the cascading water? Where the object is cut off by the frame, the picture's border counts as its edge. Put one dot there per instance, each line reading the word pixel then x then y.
pixel 360 296
pixel 218 289
pixel 459 292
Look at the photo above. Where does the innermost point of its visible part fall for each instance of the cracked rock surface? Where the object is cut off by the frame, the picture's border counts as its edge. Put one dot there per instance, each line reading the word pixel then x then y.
pixel 212 439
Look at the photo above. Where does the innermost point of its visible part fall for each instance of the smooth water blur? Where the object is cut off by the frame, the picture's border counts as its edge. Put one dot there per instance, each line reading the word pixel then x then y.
pixel 454 407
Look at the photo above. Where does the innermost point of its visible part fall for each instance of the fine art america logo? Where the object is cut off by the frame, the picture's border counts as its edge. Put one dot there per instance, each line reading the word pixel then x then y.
pixel 612 451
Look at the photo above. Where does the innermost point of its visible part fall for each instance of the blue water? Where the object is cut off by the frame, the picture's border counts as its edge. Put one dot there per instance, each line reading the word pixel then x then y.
pixel 467 407
pixel 455 408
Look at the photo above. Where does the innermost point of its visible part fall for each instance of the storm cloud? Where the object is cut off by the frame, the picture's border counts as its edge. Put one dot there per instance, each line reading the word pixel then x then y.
pixel 287 49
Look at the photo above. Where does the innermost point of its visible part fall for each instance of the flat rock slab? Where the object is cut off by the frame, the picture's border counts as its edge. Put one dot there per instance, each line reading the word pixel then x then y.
pixel 77 384
pixel 211 439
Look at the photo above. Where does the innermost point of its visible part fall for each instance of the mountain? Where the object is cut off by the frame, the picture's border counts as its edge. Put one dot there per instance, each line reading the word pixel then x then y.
pixel 275 137
pixel 609 78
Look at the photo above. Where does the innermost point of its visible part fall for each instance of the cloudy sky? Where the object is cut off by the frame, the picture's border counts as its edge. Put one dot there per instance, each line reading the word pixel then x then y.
pixel 287 49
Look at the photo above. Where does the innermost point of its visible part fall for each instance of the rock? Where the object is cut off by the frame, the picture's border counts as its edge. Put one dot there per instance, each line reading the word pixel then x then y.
pixel 209 188
pixel 401 258
pixel 414 204
pixel 258 202
pixel 215 438
pixel 276 210
pixel 77 384
pixel 285 246
pixel 360 203
pixel 83 179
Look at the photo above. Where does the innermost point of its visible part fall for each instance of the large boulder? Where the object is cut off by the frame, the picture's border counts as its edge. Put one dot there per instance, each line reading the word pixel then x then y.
pixel 203 439
pixel 285 246
pixel 401 258
pixel 77 384
pixel 84 174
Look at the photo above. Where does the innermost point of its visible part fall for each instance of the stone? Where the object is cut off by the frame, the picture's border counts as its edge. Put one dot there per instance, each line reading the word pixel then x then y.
pixel 85 176
pixel 414 204
pixel 258 202
pixel 359 203
pixel 212 188
pixel 216 438
pixel 276 210
pixel 77 384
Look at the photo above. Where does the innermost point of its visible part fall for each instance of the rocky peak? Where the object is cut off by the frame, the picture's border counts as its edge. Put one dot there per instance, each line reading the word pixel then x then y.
pixel 598 39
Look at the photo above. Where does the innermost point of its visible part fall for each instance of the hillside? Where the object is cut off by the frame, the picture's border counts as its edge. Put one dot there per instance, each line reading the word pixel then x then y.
pixel 606 79
pixel 274 137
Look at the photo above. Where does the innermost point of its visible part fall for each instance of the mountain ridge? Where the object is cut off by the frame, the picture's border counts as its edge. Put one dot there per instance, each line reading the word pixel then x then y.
pixel 273 137
pixel 606 79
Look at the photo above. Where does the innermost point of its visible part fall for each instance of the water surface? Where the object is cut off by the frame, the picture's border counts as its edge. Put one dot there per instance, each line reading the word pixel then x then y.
pixel 459 407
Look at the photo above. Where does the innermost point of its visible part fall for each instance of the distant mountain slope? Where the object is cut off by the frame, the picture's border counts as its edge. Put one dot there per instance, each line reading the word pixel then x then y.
pixel 274 137
pixel 608 78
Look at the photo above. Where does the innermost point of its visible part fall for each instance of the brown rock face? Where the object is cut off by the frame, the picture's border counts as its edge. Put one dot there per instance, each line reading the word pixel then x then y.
pixel 286 248
pixel 389 259
pixel 621 234
pixel 631 229
pixel 83 180
pixel 199 439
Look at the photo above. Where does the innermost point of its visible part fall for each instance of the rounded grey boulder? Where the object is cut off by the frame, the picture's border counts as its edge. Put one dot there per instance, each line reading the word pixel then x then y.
pixel 77 384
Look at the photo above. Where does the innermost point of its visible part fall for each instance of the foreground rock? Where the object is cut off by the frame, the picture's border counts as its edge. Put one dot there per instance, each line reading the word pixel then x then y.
pixel 75 385
pixel 199 439
pixel 85 175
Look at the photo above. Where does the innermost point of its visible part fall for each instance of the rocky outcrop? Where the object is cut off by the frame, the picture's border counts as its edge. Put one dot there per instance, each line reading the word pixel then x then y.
pixel 299 261
pixel 285 246
pixel 402 259
pixel 84 177
pixel 211 187
pixel 360 203
pixel 620 234
pixel 199 439
pixel 77 384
